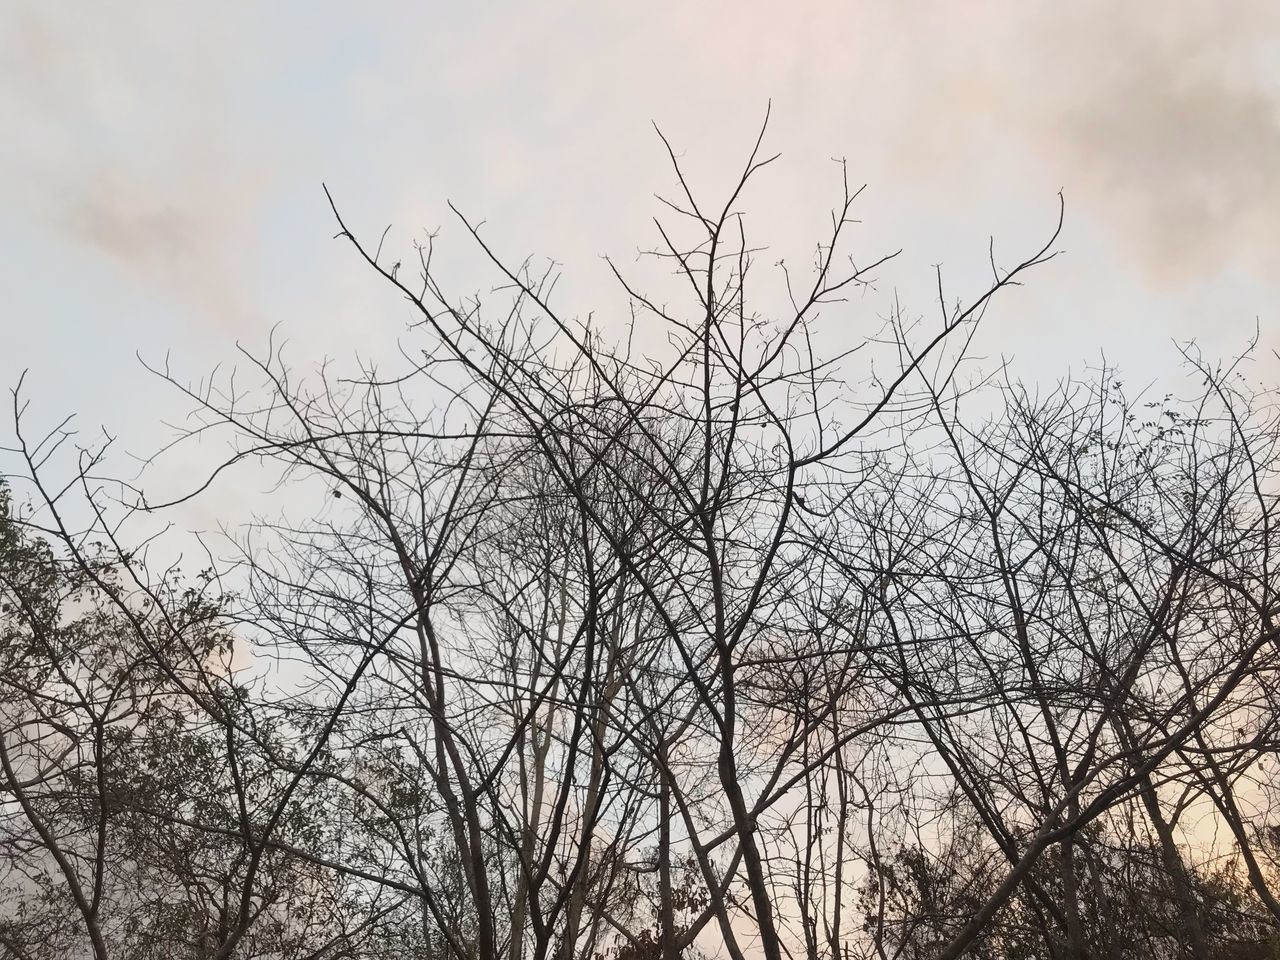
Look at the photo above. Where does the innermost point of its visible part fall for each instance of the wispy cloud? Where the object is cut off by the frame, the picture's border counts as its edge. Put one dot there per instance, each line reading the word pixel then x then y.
pixel 1161 120
pixel 123 138
pixel 139 132
pixel 1167 119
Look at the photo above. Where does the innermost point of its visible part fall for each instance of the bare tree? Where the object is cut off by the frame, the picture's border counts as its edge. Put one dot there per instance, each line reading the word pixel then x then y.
pixel 710 630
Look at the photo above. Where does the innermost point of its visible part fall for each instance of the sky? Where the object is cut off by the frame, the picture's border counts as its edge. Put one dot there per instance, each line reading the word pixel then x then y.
pixel 161 168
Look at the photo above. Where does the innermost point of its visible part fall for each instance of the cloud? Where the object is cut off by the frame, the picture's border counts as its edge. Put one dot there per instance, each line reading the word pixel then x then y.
pixel 125 141
pixel 158 136
pixel 1161 120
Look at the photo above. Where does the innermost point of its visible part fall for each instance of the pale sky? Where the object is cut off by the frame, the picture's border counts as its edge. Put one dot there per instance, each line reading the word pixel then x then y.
pixel 161 166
